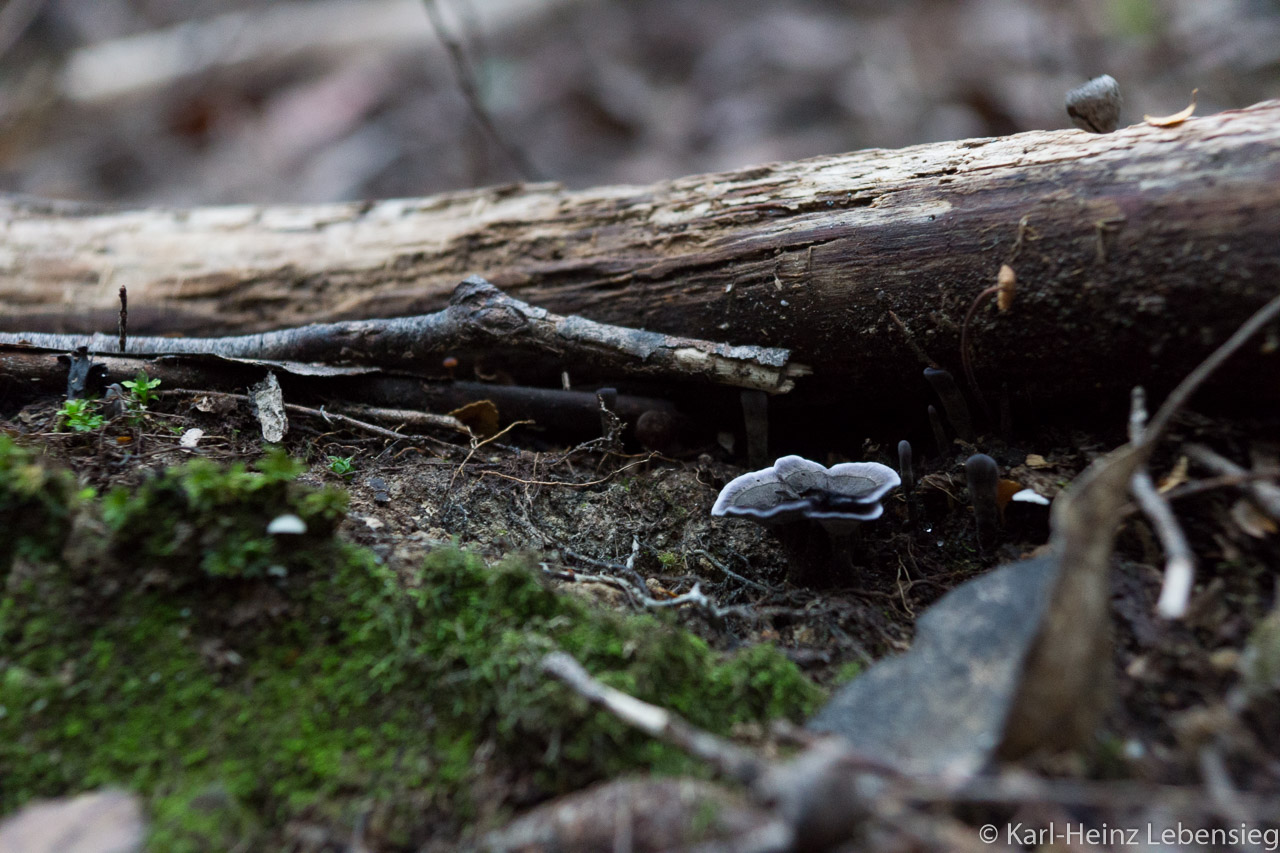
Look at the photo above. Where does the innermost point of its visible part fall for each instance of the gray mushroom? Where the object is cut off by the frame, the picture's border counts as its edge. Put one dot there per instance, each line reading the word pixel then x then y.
pixel 983 477
pixel 796 493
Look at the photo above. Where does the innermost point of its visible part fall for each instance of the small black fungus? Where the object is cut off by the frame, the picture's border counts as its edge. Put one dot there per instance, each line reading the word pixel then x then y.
pixel 983 476
pixel 659 430
pixel 944 385
pixel 85 377
pixel 905 469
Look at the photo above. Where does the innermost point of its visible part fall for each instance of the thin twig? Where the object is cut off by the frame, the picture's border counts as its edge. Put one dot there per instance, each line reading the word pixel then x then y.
pixel 465 76
pixel 911 341
pixel 1210 484
pixel 476 445
pixel 638 593
pixel 479 317
pixel 728 758
pixel 1179 560
pixel 406 418
pixel 965 360
pixel 1266 495
pixel 727 571
pixel 1180 563
pixel 124 317
pixel 331 417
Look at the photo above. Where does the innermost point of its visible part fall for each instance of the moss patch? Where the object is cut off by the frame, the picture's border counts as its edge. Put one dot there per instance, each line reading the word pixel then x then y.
pixel 359 696
pixel 202 515
pixel 36 504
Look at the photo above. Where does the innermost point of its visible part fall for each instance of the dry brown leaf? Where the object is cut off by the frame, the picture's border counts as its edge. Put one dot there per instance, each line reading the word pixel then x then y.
pixel 1252 521
pixel 1177 118
pixel 481 416
pixel 1035 460
pixel 1005 490
pixel 1174 478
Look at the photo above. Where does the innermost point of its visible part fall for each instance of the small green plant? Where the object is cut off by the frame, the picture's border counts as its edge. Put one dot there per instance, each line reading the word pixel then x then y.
pixel 81 415
pixel 341 465
pixel 141 388
pixel 139 394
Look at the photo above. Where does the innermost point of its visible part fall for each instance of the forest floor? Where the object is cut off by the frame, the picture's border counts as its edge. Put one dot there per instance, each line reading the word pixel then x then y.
pixel 372 687
pixel 618 531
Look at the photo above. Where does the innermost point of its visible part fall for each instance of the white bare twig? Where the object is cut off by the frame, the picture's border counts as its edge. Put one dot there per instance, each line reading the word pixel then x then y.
pixel 728 758
pixel 1266 495
pixel 1179 560
pixel 1180 563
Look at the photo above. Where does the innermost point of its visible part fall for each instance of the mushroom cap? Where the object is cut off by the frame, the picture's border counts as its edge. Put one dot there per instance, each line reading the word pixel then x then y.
pixel 795 488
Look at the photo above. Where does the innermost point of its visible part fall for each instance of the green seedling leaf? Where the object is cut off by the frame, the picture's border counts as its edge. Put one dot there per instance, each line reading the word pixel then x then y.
pixel 341 465
pixel 141 388
pixel 81 415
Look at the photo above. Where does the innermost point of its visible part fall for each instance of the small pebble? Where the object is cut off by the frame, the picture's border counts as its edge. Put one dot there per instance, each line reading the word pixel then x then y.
pixel 1095 106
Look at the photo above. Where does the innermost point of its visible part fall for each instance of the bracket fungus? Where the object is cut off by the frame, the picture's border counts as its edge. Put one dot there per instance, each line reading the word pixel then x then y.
pixel 795 493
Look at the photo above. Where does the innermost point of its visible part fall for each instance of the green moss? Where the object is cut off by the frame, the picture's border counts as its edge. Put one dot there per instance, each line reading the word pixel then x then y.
pixel 371 695
pixel 36 505
pixel 848 671
pixel 201 515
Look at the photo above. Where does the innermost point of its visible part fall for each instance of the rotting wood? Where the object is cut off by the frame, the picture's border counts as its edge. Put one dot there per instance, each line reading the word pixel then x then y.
pixel 1133 250
pixel 479 317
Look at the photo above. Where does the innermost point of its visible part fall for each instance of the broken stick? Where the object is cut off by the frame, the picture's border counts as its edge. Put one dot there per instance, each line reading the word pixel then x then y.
pixel 479 317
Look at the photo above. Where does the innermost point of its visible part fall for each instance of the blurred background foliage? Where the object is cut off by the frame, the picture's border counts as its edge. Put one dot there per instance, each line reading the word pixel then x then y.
pixel 153 102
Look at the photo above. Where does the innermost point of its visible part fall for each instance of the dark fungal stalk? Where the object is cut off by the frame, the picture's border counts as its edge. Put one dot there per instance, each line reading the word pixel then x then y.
pixel 905 469
pixel 944 385
pixel 983 477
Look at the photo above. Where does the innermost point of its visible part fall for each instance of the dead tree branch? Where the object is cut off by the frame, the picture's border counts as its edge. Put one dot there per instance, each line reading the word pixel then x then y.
pixel 479 317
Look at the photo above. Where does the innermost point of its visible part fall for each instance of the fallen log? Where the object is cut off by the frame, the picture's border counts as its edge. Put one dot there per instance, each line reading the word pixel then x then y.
pixel 1133 252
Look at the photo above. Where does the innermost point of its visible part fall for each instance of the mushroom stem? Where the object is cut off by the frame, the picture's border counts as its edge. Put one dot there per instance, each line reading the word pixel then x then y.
pixel 844 545
pixel 966 347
